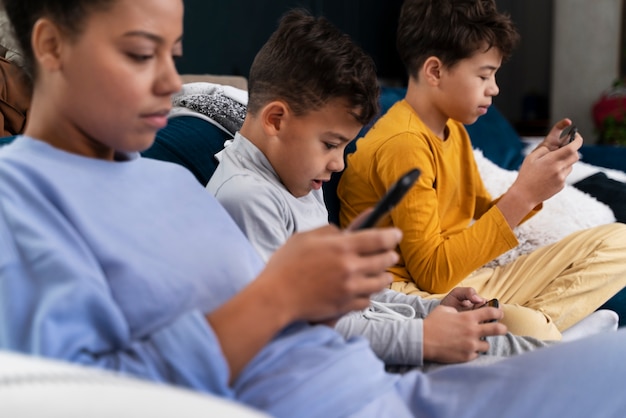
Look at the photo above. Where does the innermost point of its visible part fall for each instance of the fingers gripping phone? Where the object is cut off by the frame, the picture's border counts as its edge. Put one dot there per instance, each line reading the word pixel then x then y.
pixel 569 133
pixel 494 303
pixel 391 198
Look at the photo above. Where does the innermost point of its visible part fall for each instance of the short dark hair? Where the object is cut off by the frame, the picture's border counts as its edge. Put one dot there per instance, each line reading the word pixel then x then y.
pixel 307 62
pixel 68 14
pixel 452 30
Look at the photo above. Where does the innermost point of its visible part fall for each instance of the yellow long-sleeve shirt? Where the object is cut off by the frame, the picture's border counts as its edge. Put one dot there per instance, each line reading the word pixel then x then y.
pixel 441 244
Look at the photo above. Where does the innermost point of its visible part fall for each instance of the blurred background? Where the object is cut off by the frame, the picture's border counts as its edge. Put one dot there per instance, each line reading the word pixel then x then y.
pixel 572 51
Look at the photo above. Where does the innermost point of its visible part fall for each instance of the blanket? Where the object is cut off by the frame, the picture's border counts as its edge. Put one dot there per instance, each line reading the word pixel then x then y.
pixel 223 106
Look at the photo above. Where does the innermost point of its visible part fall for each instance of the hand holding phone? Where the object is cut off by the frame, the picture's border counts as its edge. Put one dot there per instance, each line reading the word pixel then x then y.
pixel 494 303
pixel 391 198
pixel 569 133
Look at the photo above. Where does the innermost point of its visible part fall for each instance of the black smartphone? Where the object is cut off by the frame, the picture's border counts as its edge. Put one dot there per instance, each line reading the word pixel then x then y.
pixel 494 303
pixel 569 133
pixel 391 198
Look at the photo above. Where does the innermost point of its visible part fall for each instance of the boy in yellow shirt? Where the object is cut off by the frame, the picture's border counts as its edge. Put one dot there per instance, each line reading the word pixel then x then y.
pixel 452 227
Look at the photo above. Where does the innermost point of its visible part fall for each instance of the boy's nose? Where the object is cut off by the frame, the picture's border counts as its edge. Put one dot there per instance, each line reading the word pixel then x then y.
pixel 494 90
pixel 336 164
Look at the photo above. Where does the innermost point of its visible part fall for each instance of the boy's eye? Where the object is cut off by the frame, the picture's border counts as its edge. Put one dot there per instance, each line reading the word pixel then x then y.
pixel 330 146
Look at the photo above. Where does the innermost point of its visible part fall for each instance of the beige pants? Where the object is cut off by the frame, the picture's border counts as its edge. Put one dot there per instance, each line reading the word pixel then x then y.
pixel 547 291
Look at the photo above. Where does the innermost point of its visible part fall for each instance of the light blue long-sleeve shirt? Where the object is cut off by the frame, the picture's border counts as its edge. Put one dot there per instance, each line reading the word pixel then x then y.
pixel 113 264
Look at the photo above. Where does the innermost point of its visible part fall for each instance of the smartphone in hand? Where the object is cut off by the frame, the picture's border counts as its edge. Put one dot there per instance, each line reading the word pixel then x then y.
pixel 391 198
pixel 569 133
pixel 494 303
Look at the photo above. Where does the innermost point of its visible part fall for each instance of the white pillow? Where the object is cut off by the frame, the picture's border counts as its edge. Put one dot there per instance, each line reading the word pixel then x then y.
pixel 36 387
pixel 568 211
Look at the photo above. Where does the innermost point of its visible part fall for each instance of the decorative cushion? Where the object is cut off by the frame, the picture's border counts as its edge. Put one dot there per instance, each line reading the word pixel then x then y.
pixel 608 156
pixel 6 140
pixel 191 142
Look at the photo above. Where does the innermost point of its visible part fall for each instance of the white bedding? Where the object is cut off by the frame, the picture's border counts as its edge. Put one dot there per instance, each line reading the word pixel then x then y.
pixel 568 211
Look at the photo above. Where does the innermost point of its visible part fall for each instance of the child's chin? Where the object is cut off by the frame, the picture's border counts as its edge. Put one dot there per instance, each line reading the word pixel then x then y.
pixel 470 121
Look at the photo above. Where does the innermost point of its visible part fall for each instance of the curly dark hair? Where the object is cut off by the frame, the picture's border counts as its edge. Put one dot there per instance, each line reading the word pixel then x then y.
pixel 452 30
pixel 307 62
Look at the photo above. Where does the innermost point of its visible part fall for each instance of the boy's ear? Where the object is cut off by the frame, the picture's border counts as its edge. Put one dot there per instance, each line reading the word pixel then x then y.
pixel 273 117
pixel 432 70
pixel 47 40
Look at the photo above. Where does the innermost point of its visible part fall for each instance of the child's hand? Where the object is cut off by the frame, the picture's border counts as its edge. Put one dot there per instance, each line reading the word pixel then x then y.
pixel 541 175
pixel 463 299
pixel 322 274
pixel 544 171
pixel 454 337
pixel 553 140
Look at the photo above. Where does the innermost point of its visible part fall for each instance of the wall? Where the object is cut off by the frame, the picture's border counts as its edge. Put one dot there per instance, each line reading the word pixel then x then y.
pixel 223 37
pixel 586 58
pixel 568 54
pixel 525 79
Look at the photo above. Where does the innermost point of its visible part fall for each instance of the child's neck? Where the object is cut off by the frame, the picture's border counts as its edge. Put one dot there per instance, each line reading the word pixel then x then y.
pixel 418 98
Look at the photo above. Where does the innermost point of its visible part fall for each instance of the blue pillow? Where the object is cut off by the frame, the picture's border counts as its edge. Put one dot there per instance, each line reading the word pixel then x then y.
pixel 608 156
pixel 191 142
pixel 497 139
pixel 7 140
